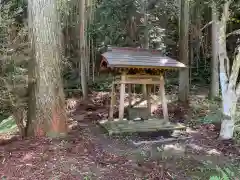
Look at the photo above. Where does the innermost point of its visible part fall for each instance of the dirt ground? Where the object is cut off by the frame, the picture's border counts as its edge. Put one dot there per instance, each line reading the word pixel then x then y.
pixel 87 153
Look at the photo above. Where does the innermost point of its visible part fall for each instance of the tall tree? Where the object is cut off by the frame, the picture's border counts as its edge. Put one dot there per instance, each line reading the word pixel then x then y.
pixel 183 47
pixel 214 62
pixel 83 52
pixel 195 35
pixel 146 36
pixel 47 115
pixel 230 86
pixel 145 22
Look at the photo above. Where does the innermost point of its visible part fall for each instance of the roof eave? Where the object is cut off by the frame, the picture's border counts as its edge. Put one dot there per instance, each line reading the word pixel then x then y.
pixel 145 67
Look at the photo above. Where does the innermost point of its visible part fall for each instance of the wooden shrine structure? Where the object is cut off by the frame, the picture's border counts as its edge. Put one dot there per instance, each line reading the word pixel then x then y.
pixel 137 66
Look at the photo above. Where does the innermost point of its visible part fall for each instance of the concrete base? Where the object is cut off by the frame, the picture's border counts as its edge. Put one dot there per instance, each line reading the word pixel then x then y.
pixel 130 126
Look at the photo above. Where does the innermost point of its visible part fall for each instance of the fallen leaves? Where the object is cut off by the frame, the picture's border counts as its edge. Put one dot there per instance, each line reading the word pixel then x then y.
pixel 82 154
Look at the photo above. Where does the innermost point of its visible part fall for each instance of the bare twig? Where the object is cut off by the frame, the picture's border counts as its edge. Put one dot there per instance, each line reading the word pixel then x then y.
pixel 206 25
pixel 236 32
pixel 235 70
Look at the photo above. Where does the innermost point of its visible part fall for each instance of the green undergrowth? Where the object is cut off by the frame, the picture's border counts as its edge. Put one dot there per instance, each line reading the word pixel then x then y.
pixel 228 171
pixel 8 125
pixel 102 83
pixel 195 168
pixel 211 117
pixel 206 111
pixel 2 117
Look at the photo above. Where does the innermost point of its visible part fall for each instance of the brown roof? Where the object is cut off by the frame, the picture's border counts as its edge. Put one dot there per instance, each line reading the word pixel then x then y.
pixel 137 57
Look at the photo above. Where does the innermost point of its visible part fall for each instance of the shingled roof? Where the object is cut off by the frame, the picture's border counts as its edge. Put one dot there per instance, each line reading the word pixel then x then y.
pixel 138 58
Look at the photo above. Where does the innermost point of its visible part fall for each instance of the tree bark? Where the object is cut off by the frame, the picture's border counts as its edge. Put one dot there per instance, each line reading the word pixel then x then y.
pixel 146 38
pixel 145 21
pixel 83 54
pixel 228 82
pixel 229 113
pixel 195 36
pixel 214 63
pixel 183 56
pixel 47 115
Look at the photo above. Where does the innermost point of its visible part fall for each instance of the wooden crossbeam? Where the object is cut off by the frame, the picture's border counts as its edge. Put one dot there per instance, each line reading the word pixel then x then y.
pixel 139 81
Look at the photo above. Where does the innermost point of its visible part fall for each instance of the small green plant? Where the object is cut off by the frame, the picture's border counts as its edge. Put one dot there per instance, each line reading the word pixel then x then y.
pixel 8 125
pixel 4 178
pixel 226 173
pixel 86 178
pixel 215 178
pixel 102 83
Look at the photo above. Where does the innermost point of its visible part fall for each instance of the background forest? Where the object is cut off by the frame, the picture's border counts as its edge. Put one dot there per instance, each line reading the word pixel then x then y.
pixel 50 51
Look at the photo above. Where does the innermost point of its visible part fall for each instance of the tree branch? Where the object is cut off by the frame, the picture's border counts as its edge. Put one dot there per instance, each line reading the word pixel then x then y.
pixel 206 25
pixel 236 32
pixel 238 90
pixel 226 9
pixel 224 60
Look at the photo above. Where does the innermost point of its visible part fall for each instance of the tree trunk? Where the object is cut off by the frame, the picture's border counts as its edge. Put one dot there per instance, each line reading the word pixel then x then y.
pixel 83 54
pixel 145 21
pixel 47 114
pixel 214 63
pixel 87 49
pixel 183 56
pixel 90 47
pixel 146 38
pixel 228 81
pixel 229 112
pixel 195 36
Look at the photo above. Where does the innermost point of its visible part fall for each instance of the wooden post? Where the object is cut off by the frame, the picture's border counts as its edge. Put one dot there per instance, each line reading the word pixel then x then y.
pixel 122 94
pixel 113 98
pixel 154 89
pixel 149 100
pixel 130 95
pixel 163 99
pixel 144 91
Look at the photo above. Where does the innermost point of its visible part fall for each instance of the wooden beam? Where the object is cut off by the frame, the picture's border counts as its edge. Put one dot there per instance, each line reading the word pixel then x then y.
pixel 113 100
pixel 163 99
pixel 139 81
pixel 122 95
pixel 140 76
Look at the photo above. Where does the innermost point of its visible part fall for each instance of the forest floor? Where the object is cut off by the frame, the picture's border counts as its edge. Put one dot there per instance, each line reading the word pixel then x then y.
pixel 88 153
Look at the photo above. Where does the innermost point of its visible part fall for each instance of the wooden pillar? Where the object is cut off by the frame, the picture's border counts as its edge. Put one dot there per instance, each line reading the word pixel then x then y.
pixel 122 95
pixel 113 100
pixel 130 95
pixel 144 91
pixel 149 100
pixel 154 89
pixel 163 99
